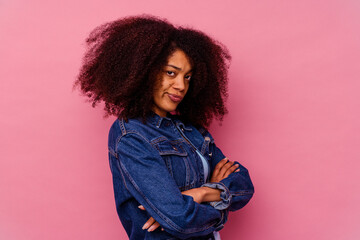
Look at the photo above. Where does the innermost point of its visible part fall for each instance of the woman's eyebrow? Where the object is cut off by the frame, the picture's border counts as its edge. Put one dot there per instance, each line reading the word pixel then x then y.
pixel 174 67
pixel 169 65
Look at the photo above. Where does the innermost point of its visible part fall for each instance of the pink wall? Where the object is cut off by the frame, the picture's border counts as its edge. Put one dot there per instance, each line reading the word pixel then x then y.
pixel 294 116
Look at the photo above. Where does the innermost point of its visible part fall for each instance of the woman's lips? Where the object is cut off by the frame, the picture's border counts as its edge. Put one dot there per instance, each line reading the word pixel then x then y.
pixel 175 98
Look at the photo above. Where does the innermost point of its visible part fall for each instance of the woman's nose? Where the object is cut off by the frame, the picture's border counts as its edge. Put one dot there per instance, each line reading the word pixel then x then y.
pixel 179 83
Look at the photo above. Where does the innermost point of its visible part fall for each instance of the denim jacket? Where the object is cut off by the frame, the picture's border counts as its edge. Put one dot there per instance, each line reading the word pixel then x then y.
pixel 152 163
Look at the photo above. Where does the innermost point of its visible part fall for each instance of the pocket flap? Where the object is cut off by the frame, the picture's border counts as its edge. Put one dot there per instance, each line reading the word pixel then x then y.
pixel 170 148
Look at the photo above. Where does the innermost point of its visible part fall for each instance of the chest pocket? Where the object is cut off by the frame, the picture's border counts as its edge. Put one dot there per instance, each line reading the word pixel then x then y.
pixel 178 163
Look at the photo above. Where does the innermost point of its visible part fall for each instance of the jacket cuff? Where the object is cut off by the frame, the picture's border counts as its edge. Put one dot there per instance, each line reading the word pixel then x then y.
pixel 225 195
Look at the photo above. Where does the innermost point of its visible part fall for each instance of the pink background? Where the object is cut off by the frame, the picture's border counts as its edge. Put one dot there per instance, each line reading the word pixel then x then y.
pixel 294 116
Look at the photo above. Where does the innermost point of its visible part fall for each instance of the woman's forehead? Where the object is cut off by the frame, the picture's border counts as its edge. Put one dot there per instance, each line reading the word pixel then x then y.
pixel 180 61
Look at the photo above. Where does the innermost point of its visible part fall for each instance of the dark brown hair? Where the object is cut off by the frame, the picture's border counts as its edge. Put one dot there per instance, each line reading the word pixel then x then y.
pixel 124 57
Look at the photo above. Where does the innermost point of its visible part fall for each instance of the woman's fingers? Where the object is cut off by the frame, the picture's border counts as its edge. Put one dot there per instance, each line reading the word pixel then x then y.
pixel 218 167
pixel 231 170
pixel 151 224
pixel 148 223
pixel 154 226
pixel 225 168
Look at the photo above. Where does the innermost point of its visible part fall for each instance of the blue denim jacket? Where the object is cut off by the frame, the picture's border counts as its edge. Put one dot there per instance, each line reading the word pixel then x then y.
pixel 152 163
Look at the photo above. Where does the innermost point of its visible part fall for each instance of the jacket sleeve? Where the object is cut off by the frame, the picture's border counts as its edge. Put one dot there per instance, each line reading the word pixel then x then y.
pixel 237 189
pixel 146 177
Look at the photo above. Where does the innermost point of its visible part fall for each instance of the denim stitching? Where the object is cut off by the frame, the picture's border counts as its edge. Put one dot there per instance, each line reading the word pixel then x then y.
pixel 110 163
pixel 120 165
pixel 169 165
pixel 147 200
pixel 141 193
pixel 227 191
pixel 171 223
pixel 136 133
pixel 242 193
pixel 159 139
pixel 222 218
pixel 187 172
pixel 179 152
pixel 193 171
pixel 205 145
pixel 112 152
pixel 122 175
pixel 189 168
pixel 122 127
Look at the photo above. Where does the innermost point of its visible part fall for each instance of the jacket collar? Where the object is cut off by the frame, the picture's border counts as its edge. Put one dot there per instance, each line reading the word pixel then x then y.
pixel 156 119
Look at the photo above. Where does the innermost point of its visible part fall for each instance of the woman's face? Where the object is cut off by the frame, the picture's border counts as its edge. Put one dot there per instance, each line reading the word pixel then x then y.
pixel 173 83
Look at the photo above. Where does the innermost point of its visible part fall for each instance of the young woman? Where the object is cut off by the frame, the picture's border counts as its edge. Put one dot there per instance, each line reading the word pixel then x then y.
pixel 164 84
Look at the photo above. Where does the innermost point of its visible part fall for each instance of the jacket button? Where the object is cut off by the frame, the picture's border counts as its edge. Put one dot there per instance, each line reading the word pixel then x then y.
pixel 175 148
pixel 210 154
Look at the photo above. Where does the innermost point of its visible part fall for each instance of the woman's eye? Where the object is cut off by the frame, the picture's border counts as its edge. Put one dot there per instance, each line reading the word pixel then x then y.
pixel 188 77
pixel 170 73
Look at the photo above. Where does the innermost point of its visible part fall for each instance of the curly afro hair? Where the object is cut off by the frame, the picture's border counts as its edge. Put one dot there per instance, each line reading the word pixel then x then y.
pixel 124 57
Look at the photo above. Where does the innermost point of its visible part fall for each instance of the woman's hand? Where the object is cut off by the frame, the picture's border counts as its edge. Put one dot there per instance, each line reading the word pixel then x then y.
pixel 223 169
pixel 150 224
